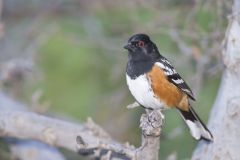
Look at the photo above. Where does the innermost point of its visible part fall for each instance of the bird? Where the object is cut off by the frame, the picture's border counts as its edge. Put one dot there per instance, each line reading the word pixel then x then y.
pixel 156 85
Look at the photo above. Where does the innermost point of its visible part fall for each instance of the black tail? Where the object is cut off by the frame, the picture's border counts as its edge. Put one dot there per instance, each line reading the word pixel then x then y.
pixel 197 128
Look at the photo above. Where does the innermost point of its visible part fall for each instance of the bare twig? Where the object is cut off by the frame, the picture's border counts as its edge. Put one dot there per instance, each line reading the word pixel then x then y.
pixel 133 105
pixel 184 49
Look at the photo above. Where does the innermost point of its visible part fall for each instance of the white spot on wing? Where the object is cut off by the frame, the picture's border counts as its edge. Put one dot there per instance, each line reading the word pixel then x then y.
pixel 166 61
pixel 186 90
pixel 161 65
pixel 178 81
pixel 168 71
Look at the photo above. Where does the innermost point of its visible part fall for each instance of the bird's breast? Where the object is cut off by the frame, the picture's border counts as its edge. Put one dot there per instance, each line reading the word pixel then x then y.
pixel 142 91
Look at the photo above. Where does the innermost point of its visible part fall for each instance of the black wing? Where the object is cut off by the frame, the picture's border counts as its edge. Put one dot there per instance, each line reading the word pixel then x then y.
pixel 174 77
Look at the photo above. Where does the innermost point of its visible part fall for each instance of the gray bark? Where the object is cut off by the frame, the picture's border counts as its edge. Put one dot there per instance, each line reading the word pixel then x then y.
pixel 87 139
pixel 32 150
pixel 26 149
pixel 224 120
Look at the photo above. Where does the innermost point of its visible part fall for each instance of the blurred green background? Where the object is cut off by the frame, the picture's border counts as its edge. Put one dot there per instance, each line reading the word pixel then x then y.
pixel 77 46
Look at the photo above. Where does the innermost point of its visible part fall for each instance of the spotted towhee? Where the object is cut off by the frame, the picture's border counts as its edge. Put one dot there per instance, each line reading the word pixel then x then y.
pixel 155 84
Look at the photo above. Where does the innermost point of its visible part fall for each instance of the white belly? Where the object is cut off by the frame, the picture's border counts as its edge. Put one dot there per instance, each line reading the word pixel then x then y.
pixel 143 93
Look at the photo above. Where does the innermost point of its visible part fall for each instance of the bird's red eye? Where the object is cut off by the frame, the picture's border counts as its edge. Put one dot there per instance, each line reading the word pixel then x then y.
pixel 140 43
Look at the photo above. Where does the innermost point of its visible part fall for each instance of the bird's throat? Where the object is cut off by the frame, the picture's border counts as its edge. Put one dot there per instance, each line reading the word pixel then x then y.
pixel 137 68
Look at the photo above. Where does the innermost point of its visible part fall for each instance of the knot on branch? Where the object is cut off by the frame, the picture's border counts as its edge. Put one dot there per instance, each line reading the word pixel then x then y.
pixel 49 135
pixel 232 108
pixel 151 123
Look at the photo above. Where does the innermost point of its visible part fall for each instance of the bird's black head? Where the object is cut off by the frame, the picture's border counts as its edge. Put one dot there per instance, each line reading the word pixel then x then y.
pixel 141 48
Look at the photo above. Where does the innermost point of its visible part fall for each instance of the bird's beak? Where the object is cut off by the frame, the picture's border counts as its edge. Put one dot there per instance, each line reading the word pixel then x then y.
pixel 127 46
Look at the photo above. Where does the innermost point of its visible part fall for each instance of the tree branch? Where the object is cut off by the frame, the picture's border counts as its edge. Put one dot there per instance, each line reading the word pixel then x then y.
pixel 87 139
pixel 151 125
pixel 32 150
pixel 225 115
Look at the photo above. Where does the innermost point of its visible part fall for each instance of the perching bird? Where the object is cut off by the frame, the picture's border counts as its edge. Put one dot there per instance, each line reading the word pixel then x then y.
pixel 155 84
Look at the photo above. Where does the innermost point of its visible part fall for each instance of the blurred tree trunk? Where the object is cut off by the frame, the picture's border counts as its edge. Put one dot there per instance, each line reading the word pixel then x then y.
pixel 225 115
